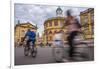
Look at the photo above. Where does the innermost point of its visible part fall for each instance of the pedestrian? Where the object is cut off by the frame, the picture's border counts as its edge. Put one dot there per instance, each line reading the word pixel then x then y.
pixel 74 28
pixel 47 44
pixel 18 43
pixel 41 44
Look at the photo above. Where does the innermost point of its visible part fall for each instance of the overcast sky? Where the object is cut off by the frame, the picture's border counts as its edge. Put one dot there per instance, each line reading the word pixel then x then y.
pixel 37 14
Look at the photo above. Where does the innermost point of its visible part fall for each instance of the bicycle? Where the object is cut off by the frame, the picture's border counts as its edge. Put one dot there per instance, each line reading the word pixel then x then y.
pixel 30 50
pixel 79 54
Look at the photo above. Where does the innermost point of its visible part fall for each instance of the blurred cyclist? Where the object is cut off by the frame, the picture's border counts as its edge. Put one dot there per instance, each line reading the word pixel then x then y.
pixel 31 36
pixel 73 29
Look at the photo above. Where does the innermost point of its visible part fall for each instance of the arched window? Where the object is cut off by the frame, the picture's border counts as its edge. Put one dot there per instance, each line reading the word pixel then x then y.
pixel 56 23
pixel 23 32
pixel 50 23
pixel 61 23
pixel 50 32
pixel 55 31
pixel 92 18
pixel 92 24
pixel 86 19
pixel 50 38
pixel 61 31
pixel 46 32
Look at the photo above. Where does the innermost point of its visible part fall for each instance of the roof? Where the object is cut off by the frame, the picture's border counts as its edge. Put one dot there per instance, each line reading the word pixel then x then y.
pixel 53 18
pixel 23 25
pixel 87 11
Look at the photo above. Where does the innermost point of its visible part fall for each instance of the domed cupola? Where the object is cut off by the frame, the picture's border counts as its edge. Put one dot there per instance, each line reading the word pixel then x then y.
pixel 59 11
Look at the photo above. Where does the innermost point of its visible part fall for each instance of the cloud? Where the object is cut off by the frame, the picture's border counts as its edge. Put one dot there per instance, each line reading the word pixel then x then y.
pixel 37 14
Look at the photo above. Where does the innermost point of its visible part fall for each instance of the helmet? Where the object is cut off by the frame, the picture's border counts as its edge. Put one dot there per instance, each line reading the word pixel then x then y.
pixel 29 29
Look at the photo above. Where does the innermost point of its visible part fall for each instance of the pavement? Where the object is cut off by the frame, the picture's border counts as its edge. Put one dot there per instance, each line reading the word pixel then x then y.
pixel 44 56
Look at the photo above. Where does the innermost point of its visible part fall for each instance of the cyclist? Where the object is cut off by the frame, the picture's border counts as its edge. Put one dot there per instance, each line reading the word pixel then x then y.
pixel 31 37
pixel 74 28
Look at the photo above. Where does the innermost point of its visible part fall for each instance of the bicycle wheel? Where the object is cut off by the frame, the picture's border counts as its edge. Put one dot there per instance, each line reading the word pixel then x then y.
pixel 81 52
pixel 34 52
pixel 26 51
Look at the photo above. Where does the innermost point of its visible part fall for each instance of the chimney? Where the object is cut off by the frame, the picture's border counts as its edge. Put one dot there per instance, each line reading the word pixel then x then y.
pixel 18 21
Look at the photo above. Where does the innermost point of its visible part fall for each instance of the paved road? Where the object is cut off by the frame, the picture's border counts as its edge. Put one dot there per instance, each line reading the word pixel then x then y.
pixel 44 56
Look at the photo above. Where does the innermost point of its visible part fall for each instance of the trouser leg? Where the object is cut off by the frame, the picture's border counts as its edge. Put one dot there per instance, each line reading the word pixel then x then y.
pixel 28 44
pixel 71 43
pixel 71 46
